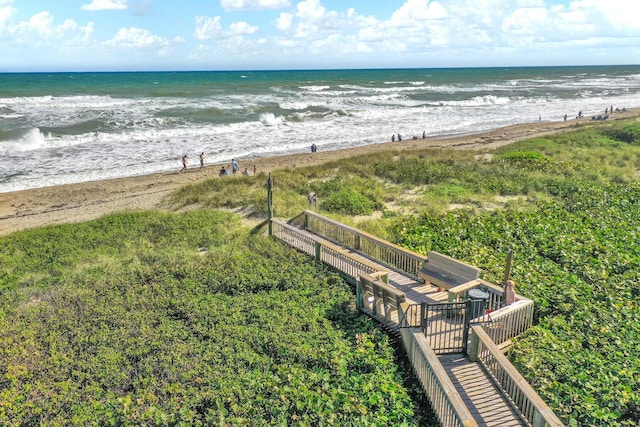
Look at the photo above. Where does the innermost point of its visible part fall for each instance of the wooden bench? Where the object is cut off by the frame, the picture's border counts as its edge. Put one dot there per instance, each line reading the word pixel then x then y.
pixel 446 272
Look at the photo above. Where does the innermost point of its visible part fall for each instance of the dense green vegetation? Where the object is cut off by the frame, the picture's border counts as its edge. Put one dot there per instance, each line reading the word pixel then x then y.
pixel 567 204
pixel 167 319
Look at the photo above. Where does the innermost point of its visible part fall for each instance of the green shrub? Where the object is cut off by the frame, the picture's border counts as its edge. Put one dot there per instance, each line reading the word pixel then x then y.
pixel 627 134
pixel 348 202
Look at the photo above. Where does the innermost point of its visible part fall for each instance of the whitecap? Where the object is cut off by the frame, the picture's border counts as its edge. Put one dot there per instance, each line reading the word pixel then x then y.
pixel 31 140
pixel 269 119
pixel 315 88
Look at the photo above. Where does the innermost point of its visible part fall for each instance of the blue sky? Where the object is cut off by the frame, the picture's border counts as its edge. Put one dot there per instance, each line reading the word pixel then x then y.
pixel 112 35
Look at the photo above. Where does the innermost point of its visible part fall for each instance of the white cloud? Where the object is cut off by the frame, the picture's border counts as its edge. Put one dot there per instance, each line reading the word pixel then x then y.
pixel 254 4
pixel 137 38
pixel 208 28
pixel 39 32
pixel 96 5
pixel 311 10
pixel 6 13
pixel 240 27
pixel 525 21
pixel 417 13
pixel 621 16
pixel 283 23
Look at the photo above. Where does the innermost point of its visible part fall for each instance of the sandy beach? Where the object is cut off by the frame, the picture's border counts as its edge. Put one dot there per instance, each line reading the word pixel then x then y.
pixel 90 200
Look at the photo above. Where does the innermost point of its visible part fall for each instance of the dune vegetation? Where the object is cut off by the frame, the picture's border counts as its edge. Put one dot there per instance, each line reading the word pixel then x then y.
pixel 191 317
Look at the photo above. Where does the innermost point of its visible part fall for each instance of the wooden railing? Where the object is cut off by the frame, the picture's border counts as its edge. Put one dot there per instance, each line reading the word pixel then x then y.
pixel 387 253
pixel 445 399
pixel 494 302
pixel 532 407
pixel 506 322
pixel 294 237
pixel 378 299
pixel 510 321
pixel 349 266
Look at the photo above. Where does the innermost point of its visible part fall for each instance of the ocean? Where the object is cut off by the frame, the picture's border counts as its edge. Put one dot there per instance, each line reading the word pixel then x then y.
pixel 59 128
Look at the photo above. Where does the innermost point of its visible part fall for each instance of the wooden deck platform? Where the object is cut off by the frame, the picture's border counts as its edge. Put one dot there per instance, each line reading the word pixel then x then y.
pixel 486 402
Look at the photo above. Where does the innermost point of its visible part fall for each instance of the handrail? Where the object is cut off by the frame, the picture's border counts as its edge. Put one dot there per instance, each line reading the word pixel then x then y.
pixel 392 255
pixel 445 399
pixel 377 298
pixel 323 250
pixel 495 293
pixel 532 407
pixel 510 321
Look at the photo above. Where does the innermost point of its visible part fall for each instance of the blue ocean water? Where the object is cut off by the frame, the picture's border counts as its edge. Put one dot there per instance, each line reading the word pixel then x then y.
pixel 58 128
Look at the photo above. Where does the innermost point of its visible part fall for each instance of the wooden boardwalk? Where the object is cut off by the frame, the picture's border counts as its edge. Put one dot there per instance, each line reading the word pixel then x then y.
pixel 484 399
pixel 488 405
pixel 465 393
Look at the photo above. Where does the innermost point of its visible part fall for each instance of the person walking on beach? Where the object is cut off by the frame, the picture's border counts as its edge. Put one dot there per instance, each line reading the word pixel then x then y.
pixel 201 160
pixel 184 163
pixel 234 166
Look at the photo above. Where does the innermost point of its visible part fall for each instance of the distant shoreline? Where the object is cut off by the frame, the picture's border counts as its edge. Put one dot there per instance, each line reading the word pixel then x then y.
pixel 85 201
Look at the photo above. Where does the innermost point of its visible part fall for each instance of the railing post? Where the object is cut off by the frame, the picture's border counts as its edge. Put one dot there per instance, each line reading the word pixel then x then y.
pixel 318 251
pixel 467 325
pixel 359 294
pixel 476 347
pixel 538 419
pixel 357 242
pixel 270 203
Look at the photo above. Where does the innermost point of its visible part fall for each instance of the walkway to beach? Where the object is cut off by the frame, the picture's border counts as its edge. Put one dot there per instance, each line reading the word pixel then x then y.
pixel 455 346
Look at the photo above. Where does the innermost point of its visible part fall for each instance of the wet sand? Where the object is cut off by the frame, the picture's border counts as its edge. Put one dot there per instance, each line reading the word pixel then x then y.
pixel 20 210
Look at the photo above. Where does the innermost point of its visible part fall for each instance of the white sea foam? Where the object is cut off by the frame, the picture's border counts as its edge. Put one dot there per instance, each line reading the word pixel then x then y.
pixel 33 139
pixel 270 119
pixel 315 88
pixel 96 137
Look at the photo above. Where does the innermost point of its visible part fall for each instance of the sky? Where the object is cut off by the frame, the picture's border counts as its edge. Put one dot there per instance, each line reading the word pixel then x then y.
pixel 158 35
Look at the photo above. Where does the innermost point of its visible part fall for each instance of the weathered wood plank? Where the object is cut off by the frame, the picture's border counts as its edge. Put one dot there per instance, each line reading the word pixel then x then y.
pixel 486 403
pixel 446 272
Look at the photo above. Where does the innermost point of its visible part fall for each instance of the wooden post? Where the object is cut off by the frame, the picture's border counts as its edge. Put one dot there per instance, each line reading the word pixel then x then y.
pixel 507 272
pixel 476 347
pixel 270 203
pixel 318 251
pixel 538 419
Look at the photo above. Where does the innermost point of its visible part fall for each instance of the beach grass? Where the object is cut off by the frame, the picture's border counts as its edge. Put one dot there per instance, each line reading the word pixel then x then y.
pixel 390 183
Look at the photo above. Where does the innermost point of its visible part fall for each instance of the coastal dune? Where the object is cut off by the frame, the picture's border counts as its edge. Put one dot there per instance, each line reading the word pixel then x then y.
pixel 85 201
